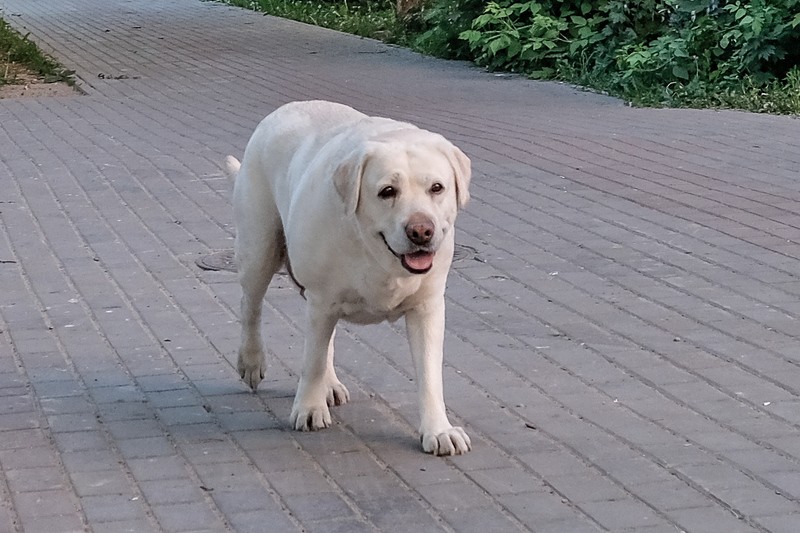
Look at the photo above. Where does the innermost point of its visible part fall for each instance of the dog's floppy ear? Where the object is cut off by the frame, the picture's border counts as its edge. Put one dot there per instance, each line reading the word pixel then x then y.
pixel 347 179
pixel 462 168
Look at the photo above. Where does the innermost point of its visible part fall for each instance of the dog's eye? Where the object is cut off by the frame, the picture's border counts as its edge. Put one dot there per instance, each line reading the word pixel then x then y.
pixel 387 192
pixel 437 188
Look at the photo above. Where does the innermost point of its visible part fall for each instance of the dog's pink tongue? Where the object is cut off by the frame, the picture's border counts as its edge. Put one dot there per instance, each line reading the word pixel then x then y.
pixel 419 260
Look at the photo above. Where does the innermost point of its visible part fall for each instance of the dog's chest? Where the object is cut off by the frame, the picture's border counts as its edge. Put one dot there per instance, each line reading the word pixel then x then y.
pixel 355 307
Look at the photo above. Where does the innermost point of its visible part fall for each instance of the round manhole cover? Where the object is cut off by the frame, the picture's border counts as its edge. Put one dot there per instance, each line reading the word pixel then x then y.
pixel 223 259
pixel 462 252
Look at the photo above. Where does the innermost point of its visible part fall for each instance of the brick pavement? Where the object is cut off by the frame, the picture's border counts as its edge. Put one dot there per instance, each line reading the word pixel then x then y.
pixel 623 350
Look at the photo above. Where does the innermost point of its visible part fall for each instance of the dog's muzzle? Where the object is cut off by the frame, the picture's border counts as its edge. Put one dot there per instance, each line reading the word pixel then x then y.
pixel 419 262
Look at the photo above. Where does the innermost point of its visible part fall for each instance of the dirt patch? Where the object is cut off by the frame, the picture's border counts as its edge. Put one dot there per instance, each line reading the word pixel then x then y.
pixel 28 85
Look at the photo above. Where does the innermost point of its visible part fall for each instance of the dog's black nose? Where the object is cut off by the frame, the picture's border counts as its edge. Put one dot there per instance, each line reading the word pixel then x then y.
pixel 420 229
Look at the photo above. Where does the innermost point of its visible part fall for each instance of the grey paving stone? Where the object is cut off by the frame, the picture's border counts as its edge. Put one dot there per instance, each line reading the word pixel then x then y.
pixel 254 521
pixel 112 507
pixel 317 506
pixel 192 516
pixel 45 503
pixel 619 514
pixel 302 481
pixel 156 468
pixel 126 526
pixel 100 482
pixel 341 525
pixel 144 447
pixel 35 479
pixel 781 523
pixel 542 506
pixel 68 523
pixel 708 519
pixel 170 491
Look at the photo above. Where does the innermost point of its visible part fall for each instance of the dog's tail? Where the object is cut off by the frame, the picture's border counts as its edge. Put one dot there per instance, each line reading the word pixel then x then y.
pixel 232 167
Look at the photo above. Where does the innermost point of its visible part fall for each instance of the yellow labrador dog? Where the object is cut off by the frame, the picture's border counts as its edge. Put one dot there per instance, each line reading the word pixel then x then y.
pixel 361 210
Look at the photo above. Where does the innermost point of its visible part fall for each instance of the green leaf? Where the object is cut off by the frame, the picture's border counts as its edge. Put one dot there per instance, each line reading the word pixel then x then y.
pixel 482 21
pixel 680 72
pixel 680 52
pixel 470 36
pixel 499 44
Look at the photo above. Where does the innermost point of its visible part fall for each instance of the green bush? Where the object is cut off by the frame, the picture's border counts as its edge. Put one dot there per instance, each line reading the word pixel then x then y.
pixel 651 51
pixel 366 18
pixel 442 23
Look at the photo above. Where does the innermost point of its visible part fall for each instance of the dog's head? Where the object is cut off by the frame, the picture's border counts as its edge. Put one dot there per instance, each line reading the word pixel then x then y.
pixel 405 189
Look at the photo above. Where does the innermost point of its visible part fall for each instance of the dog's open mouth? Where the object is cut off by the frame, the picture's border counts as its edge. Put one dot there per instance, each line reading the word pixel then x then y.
pixel 418 262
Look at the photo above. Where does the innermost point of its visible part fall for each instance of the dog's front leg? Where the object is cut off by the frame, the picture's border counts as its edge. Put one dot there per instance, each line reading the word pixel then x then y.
pixel 425 327
pixel 319 387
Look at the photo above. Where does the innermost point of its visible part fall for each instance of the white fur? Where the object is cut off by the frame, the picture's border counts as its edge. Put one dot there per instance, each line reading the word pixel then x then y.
pixel 307 193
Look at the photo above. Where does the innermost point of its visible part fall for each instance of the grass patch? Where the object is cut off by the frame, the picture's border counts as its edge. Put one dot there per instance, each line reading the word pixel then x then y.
pixel 19 56
pixel 366 18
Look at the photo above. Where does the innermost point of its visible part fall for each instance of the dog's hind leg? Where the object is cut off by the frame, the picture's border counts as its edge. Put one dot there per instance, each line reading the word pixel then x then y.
pixel 259 255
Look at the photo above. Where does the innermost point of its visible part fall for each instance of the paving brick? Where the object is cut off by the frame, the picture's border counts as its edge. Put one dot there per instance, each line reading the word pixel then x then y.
pixel 89 460
pixel 708 519
pixel 302 481
pixel 586 488
pixel 179 397
pixel 317 506
pixel 44 503
pixel 403 513
pixel 186 517
pixel 67 523
pixel 507 480
pixel 194 414
pixel 156 468
pixel 781 523
pixel 254 521
pixel 339 525
pixel 244 499
pixel 100 482
pixel 543 505
pixel 618 514
pixel 81 441
pixel 145 447
pixel 34 479
pixel 112 507
pixel 35 456
pixel 170 491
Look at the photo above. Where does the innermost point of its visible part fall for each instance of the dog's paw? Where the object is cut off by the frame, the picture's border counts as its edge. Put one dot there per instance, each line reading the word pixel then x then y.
pixel 310 418
pixel 251 369
pixel 337 394
pixel 452 441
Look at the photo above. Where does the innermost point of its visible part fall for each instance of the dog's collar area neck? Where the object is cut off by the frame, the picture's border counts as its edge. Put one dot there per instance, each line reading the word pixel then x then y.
pixel 403 260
